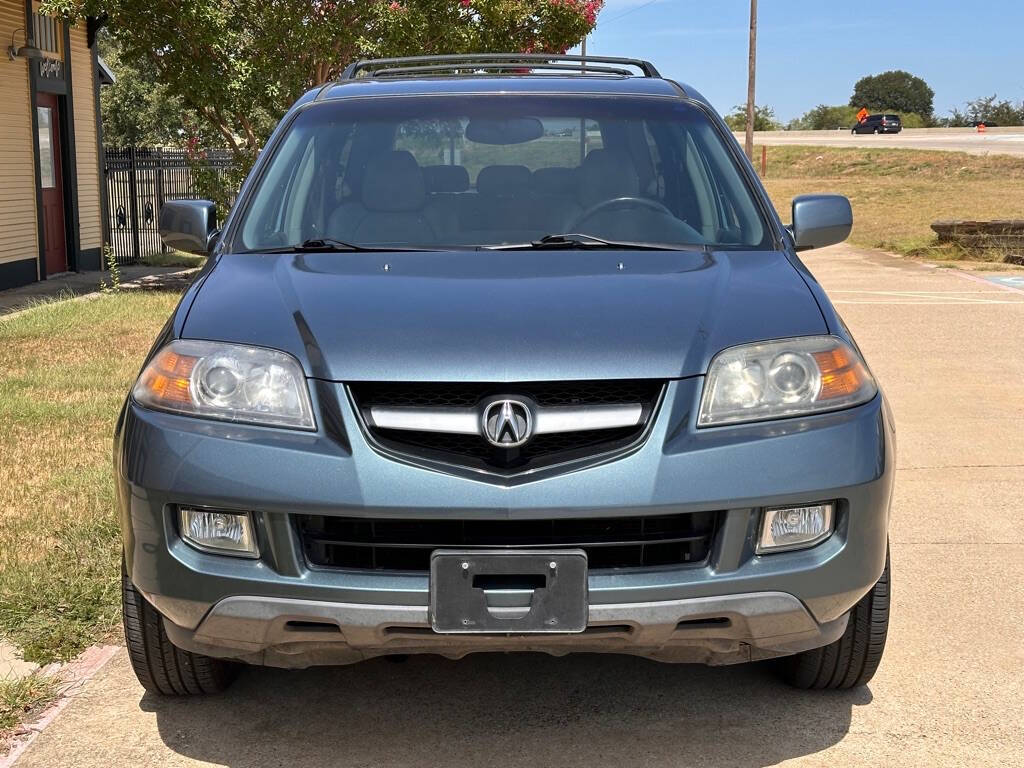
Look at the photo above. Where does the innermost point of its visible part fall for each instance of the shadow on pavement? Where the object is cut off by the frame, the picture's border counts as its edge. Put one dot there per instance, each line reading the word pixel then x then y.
pixel 490 709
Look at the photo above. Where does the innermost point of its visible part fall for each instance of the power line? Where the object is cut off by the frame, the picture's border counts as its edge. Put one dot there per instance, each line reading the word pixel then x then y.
pixel 631 10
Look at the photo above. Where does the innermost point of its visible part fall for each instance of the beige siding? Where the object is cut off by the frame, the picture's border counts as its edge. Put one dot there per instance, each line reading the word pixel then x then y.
pixel 18 230
pixel 83 81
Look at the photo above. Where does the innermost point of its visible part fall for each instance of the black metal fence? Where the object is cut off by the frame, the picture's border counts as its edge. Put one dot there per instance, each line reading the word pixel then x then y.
pixel 139 180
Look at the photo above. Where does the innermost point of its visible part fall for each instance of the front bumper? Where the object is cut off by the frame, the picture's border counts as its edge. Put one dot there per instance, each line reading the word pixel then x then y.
pixel 734 607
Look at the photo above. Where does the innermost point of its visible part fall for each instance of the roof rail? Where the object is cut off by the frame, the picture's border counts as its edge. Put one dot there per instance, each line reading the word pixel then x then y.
pixel 470 63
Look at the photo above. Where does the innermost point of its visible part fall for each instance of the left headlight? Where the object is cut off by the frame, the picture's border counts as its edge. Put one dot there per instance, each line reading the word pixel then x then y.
pixel 778 379
pixel 232 382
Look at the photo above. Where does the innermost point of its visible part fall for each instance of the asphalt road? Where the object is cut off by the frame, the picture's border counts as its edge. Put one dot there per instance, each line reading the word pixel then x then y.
pixel 950 690
pixel 997 141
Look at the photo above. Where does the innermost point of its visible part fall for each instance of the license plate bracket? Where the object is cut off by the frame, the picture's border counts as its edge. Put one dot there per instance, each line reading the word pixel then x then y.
pixel 508 591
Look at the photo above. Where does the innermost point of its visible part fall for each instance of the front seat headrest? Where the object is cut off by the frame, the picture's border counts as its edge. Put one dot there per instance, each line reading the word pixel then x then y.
pixel 605 175
pixel 394 182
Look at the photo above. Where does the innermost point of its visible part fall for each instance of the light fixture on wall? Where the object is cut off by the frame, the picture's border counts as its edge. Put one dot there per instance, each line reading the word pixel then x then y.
pixel 27 51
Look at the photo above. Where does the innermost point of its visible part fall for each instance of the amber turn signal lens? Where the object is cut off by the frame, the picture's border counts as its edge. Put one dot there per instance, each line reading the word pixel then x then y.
pixel 842 374
pixel 167 377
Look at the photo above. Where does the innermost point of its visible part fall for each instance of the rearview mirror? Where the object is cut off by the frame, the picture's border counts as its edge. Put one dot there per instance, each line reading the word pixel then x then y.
pixel 511 130
pixel 189 225
pixel 820 220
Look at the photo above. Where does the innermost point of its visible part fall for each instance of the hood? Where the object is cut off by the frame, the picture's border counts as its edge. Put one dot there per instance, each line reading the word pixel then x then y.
pixel 503 315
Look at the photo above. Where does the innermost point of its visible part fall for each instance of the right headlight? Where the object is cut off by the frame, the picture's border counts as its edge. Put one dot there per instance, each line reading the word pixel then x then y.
pixel 777 379
pixel 231 382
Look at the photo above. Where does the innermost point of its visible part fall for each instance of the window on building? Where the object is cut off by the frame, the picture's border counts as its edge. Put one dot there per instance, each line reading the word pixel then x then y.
pixel 47 177
pixel 46 33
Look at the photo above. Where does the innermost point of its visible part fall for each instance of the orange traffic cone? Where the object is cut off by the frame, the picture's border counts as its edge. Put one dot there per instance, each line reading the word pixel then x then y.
pixel 981 127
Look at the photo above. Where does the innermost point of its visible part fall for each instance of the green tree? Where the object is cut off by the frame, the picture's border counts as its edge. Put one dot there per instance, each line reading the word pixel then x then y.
pixel 990 109
pixel 764 118
pixel 137 109
pixel 237 65
pixel 895 90
pixel 825 118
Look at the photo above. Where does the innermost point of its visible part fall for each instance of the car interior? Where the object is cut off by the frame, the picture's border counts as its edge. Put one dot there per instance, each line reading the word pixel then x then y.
pixel 471 181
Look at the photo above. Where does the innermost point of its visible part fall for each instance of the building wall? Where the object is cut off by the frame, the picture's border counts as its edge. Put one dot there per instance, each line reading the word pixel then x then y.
pixel 84 85
pixel 19 244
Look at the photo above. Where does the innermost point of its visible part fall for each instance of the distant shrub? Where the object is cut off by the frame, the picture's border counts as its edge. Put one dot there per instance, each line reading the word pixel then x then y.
pixel 988 109
pixel 764 119
pixel 825 118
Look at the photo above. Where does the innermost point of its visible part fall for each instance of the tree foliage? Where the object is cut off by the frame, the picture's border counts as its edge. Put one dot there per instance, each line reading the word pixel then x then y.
pixel 895 90
pixel 764 118
pixel 829 118
pixel 825 118
pixel 237 65
pixel 987 109
pixel 137 109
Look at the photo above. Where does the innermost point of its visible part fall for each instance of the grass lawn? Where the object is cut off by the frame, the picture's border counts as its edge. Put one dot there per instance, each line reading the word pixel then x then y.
pixel 65 368
pixel 898 193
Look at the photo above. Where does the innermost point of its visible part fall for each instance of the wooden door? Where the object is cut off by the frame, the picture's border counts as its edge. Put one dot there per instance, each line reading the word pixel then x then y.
pixel 50 181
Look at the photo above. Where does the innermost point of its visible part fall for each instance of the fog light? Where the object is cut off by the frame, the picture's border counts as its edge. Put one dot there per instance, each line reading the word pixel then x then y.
pixel 228 533
pixel 795 527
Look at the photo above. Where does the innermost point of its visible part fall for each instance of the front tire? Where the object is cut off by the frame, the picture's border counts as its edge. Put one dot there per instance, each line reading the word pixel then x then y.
pixel 160 666
pixel 853 659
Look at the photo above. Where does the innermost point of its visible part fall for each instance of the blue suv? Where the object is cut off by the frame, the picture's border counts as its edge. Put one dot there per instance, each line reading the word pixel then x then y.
pixel 501 353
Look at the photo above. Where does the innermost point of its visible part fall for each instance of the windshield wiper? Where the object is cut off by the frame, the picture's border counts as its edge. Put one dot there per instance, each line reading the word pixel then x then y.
pixel 577 241
pixel 328 245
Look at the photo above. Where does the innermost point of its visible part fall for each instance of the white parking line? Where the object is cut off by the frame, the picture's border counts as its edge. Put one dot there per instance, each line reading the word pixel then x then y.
pixel 923 297
pixel 928 303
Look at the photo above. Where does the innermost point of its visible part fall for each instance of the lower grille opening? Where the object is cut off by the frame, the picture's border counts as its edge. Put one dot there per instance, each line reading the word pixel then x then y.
pixel 716 622
pixel 312 626
pixel 604 629
pixel 406 545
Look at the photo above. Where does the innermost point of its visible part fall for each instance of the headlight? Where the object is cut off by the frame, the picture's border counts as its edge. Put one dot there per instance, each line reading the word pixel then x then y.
pixel 233 382
pixel 790 377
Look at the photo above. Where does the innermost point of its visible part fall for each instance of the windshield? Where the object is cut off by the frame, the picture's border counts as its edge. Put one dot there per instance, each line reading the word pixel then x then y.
pixel 472 171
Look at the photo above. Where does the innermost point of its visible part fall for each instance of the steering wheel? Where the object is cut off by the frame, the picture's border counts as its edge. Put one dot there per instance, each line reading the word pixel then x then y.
pixel 619 202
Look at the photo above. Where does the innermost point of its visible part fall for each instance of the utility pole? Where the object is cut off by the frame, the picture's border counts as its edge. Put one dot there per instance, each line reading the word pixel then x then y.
pixel 583 120
pixel 752 67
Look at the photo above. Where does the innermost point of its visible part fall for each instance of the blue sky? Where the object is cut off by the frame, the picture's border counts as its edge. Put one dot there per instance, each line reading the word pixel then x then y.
pixel 813 51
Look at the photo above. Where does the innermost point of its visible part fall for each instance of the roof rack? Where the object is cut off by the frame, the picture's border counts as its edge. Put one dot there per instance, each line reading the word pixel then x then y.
pixel 472 63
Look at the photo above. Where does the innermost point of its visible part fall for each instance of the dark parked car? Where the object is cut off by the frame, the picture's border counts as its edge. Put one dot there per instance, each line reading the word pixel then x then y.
pixel 452 383
pixel 879 124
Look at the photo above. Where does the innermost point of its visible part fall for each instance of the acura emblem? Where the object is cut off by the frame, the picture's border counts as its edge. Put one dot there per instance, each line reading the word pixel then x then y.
pixel 507 423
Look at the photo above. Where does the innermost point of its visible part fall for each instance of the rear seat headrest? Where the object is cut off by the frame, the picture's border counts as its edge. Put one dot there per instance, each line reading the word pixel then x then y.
pixel 446 178
pixel 393 182
pixel 554 181
pixel 503 180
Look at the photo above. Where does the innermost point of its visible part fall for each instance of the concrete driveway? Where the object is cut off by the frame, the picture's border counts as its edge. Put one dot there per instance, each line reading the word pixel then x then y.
pixel 950 691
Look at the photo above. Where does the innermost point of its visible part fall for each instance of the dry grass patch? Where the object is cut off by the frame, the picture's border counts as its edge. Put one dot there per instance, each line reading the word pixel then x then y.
pixel 897 193
pixel 65 368
pixel 173 259
pixel 22 698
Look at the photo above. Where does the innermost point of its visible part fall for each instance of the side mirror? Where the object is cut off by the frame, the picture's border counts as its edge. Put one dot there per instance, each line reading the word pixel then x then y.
pixel 189 225
pixel 820 220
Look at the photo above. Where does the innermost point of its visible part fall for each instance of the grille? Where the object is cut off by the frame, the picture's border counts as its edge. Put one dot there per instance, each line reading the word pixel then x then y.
pixel 541 450
pixel 406 545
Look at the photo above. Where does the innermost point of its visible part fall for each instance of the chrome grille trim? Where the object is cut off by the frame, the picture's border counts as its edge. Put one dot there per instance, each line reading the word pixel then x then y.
pixel 467 421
